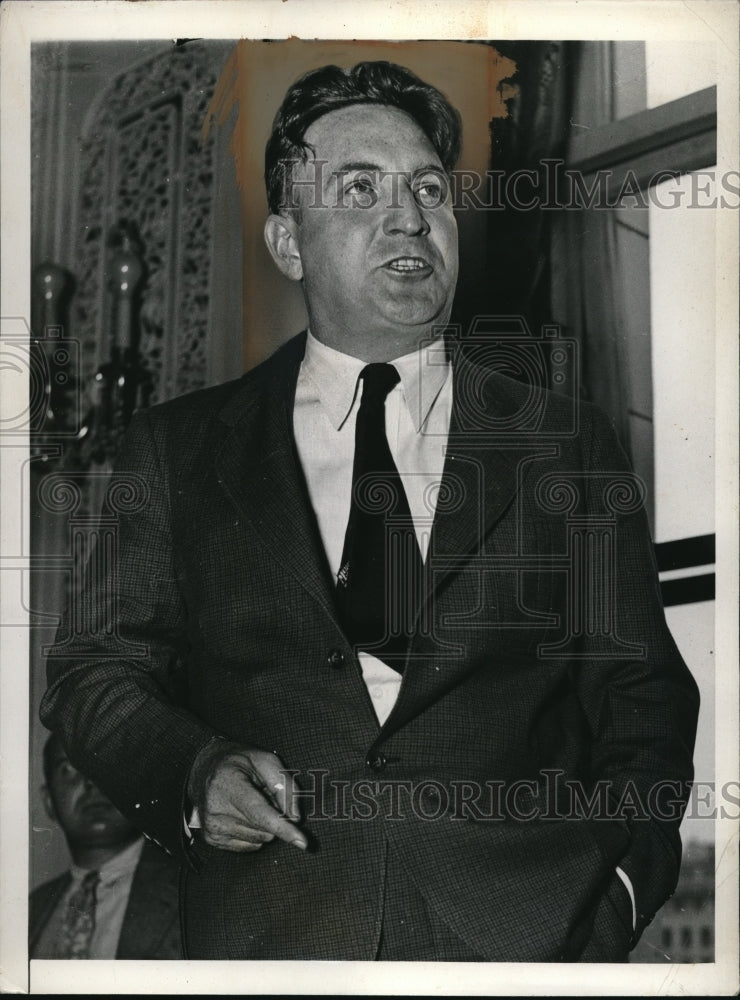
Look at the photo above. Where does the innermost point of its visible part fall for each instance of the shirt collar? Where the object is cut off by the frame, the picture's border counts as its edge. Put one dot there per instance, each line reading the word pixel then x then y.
pixel 122 864
pixel 335 377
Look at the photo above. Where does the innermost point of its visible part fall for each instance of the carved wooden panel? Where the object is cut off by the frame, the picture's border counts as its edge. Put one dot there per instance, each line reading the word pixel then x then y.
pixel 142 163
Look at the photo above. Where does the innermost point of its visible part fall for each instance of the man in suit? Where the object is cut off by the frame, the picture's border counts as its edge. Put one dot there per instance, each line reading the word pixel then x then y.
pixel 120 898
pixel 383 658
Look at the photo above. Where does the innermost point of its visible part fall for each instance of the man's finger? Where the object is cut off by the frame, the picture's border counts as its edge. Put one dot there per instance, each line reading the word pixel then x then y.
pixel 259 812
pixel 232 844
pixel 228 826
pixel 278 784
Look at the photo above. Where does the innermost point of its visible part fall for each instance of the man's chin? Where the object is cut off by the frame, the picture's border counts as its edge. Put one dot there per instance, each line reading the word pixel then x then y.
pixel 417 332
pixel 421 317
pixel 105 835
pixel 375 335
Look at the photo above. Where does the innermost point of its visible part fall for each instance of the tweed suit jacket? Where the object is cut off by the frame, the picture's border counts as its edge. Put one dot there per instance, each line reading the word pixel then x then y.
pixel 151 923
pixel 541 664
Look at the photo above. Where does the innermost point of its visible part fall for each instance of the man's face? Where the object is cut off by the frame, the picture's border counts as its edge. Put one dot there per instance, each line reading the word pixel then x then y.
pixel 86 816
pixel 378 247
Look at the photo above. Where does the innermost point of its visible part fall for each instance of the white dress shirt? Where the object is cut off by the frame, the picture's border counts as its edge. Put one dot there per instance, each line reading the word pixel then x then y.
pixel 417 422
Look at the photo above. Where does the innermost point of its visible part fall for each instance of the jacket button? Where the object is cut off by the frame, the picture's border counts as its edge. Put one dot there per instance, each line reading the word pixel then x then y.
pixel 377 761
pixel 335 658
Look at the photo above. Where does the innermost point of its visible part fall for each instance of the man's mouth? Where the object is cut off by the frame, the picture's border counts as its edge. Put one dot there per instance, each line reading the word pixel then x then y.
pixel 96 804
pixel 408 265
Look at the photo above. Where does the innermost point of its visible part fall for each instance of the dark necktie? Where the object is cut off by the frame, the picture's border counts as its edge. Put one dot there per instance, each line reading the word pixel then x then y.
pixel 79 919
pixel 380 577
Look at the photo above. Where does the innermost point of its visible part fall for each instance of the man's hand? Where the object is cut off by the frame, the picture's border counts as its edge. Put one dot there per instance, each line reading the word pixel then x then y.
pixel 244 798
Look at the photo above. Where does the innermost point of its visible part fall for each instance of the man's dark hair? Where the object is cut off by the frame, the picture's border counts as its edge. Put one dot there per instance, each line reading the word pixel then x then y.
pixel 329 88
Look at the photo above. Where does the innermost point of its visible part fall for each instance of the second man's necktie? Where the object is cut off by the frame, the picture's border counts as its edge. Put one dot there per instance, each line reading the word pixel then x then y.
pixel 79 919
pixel 380 576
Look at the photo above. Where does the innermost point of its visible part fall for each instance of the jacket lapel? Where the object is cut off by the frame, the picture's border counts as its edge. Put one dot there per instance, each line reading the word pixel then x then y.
pixel 43 902
pixel 482 470
pixel 151 925
pixel 482 474
pixel 259 469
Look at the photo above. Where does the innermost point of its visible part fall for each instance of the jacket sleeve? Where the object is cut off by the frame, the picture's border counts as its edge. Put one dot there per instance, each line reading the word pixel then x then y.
pixel 114 672
pixel 642 704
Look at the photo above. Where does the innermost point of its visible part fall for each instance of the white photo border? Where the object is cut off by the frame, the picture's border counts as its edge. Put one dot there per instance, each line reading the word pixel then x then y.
pixel 21 24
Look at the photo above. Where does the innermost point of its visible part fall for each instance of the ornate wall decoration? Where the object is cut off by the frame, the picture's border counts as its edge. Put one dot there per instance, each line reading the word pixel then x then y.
pixel 143 164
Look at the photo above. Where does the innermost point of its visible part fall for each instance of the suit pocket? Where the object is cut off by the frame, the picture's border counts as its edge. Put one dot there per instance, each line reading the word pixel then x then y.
pixel 621 902
pixel 611 936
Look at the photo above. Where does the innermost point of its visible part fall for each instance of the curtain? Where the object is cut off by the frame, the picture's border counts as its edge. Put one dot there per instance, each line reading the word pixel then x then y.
pixel 587 278
pixel 559 265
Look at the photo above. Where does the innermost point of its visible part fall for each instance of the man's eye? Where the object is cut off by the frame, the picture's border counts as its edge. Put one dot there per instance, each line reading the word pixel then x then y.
pixel 361 192
pixel 430 191
pixel 360 185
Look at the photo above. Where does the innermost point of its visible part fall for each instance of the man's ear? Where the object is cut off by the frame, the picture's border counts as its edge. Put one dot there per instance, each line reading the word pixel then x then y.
pixel 281 237
pixel 48 802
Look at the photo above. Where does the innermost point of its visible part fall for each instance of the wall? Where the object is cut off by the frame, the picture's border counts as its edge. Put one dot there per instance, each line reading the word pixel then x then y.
pixel 69 85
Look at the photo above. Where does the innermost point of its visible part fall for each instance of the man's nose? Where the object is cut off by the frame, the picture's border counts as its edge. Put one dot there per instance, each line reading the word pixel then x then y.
pixel 403 215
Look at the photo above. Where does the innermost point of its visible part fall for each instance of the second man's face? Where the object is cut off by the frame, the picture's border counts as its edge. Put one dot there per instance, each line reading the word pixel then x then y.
pixel 88 818
pixel 377 237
